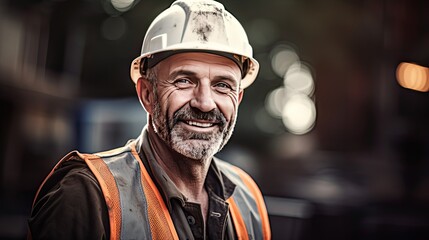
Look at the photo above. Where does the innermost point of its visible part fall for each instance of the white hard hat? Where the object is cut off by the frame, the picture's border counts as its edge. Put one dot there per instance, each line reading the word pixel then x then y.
pixel 194 26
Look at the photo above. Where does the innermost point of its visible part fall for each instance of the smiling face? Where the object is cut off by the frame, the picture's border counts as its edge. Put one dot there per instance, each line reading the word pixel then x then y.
pixel 195 103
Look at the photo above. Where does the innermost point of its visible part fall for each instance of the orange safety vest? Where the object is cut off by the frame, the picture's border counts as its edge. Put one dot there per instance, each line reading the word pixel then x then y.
pixel 122 175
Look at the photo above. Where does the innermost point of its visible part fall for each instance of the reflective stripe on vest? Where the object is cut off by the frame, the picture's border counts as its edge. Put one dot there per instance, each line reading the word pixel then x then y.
pixel 142 211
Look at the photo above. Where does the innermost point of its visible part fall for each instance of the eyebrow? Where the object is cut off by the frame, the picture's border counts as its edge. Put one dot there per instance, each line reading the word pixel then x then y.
pixel 190 73
pixel 176 73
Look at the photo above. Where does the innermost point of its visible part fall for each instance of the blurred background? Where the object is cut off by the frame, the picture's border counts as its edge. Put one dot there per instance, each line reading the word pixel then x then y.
pixel 335 130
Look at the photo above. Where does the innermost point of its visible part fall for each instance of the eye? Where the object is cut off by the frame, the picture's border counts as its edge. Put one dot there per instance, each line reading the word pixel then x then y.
pixel 223 87
pixel 182 83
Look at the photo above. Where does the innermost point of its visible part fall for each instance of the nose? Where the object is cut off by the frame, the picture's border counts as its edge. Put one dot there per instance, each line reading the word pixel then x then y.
pixel 203 99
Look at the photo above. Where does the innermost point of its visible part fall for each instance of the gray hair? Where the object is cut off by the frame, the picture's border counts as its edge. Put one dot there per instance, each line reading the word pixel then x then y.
pixel 152 76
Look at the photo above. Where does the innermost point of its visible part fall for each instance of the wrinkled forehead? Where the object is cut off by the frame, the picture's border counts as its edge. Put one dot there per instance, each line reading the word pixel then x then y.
pixel 191 60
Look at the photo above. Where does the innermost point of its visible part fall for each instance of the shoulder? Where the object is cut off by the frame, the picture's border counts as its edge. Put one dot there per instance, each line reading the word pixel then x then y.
pixel 69 181
pixel 72 174
pixel 69 201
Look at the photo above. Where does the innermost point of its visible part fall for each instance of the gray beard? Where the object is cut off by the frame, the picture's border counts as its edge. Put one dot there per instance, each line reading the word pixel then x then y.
pixel 198 146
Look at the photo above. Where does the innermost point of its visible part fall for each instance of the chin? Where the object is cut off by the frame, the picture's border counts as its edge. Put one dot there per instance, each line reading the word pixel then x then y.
pixel 196 149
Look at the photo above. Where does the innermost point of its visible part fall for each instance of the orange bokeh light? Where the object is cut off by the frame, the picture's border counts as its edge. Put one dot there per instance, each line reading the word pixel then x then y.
pixel 413 76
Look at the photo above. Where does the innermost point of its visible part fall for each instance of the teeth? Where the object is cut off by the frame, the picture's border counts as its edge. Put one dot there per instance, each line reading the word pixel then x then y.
pixel 199 124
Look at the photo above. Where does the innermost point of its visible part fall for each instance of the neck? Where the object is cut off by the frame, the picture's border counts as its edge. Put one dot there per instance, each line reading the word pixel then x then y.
pixel 187 174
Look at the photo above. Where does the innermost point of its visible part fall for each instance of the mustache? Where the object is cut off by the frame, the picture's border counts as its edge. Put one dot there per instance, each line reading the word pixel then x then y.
pixel 188 112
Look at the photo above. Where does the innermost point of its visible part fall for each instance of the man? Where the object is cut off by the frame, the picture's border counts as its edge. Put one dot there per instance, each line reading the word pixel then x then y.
pixel 190 77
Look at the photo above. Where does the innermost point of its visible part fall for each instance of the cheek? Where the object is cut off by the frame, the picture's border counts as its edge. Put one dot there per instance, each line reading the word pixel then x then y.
pixel 228 106
pixel 173 101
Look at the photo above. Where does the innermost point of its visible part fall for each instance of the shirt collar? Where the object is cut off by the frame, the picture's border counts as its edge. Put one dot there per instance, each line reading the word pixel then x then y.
pixel 218 182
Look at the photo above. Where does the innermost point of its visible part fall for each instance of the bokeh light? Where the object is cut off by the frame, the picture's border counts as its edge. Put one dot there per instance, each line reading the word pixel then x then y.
pixel 122 5
pixel 275 101
pixel 298 78
pixel 299 114
pixel 292 102
pixel 282 57
pixel 413 76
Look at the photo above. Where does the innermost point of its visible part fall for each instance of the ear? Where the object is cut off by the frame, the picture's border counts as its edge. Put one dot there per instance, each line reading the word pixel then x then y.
pixel 144 92
pixel 240 96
